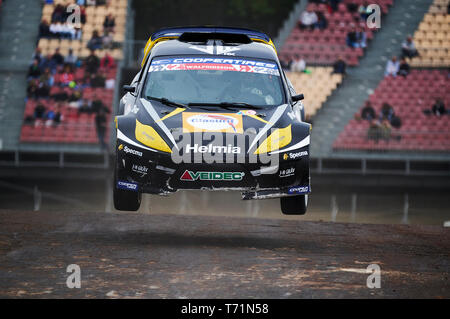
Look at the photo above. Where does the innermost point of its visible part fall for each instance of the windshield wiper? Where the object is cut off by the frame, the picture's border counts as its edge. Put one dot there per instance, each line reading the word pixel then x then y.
pixel 168 102
pixel 228 105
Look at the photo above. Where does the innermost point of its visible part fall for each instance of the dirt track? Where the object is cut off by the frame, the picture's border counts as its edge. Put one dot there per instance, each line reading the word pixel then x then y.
pixel 145 256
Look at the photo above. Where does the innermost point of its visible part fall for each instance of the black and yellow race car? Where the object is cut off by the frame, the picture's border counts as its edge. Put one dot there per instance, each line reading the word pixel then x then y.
pixel 211 109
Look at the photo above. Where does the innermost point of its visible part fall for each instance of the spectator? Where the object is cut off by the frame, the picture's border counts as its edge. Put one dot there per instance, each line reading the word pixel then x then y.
pixel 44 29
pixel 32 89
pixel 85 106
pixel 71 59
pixel 76 96
pixel 95 42
pixel 298 64
pixel 58 116
pixel 322 22
pixel 58 13
pixel 107 62
pixel 47 78
pixel 352 7
pixel 57 57
pixel 83 19
pixel 396 122
pixel 385 130
pixel 361 38
pixel 285 65
pixel 438 108
pixel 404 68
pixel 368 112
pixel 100 125
pixel 392 67
pixel 39 112
pixel 97 105
pixel 37 55
pixel 98 80
pixel 61 95
pixel 409 48
pixel 109 23
pixel 374 131
pixel 308 19
pixel 65 77
pixel 58 31
pixel 92 63
pixel 49 63
pixel 352 39
pixel 334 5
pixel 34 71
pixel 107 40
pixel 339 67
pixel 49 117
pixel 387 112
pixel 364 11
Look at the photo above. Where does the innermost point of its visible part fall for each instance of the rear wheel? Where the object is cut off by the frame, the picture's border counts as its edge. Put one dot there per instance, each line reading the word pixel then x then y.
pixel 124 199
pixel 294 205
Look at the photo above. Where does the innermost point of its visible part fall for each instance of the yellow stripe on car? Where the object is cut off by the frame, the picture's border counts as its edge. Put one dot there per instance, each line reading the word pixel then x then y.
pixel 278 139
pixel 149 137
pixel 174 112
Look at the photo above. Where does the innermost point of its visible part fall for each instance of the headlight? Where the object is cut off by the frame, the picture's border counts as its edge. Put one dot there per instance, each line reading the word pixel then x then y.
pixel 278 139
pixel 149 137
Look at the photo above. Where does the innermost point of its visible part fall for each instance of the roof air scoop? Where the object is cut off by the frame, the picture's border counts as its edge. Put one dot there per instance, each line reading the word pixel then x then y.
pixel 203 37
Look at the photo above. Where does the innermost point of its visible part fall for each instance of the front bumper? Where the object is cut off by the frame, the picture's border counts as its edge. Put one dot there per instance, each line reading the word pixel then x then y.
pixel 156 173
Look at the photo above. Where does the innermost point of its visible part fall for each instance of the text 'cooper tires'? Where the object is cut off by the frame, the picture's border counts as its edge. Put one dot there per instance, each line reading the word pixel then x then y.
pixel 294 205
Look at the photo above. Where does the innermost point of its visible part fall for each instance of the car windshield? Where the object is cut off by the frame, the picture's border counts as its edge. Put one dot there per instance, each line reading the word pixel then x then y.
pixel 215 80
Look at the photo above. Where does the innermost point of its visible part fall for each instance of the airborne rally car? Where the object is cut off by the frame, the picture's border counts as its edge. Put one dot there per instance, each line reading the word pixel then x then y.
pixel 211 109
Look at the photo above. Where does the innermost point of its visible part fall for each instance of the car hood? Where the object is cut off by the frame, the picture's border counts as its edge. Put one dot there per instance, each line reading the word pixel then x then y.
pixel 178 126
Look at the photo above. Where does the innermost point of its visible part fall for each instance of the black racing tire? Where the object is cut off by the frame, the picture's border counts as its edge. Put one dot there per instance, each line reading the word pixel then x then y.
pixel 125 200
pixel 294 205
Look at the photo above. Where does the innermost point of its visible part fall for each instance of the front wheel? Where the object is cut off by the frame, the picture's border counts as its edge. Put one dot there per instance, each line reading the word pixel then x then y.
pixel 124 199
pixel 294 205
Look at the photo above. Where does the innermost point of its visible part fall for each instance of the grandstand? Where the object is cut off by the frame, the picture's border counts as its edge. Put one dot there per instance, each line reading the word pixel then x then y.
pixel 316 86
pixel 432 38
pixel 412 98
pixel 75 102
pixel 323 46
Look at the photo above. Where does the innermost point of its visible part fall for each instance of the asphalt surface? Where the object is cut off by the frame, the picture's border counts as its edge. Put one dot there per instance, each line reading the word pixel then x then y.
pixel 131 255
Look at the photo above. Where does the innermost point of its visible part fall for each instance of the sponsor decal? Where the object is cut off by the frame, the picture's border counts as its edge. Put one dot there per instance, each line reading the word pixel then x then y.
pixel 140 169
pixel 229 149
pixel 296 155
pixel 211 176
pixel 298 190
pixel 247 112
pixel 127 185
pixel 214 64
pixel 287 172
pixel 215 49
pixel 128 150
pixel 212 122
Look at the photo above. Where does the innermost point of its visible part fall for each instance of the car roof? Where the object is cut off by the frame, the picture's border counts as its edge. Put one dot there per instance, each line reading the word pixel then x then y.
pixel 250 50
pixel 221 41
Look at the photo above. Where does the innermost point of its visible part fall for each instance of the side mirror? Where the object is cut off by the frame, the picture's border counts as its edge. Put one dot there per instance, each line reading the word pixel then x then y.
pixel 298 97
pixel 129 88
